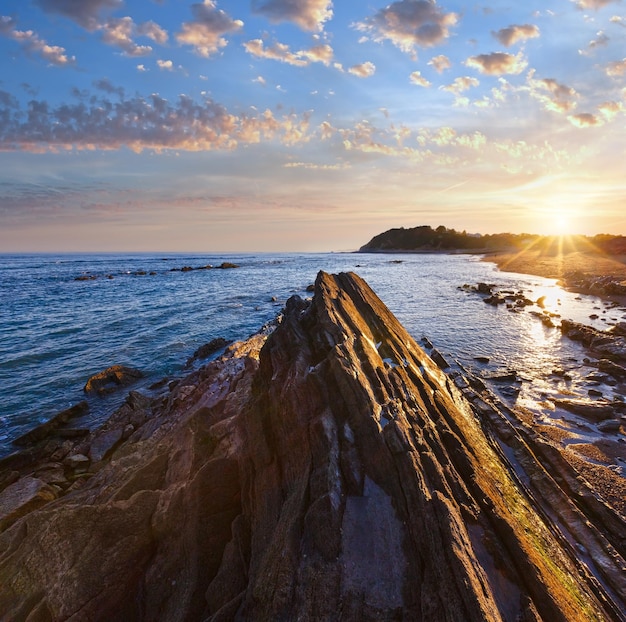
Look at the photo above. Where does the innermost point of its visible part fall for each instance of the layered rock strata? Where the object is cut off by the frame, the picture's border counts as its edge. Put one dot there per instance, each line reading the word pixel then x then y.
pixel 328 471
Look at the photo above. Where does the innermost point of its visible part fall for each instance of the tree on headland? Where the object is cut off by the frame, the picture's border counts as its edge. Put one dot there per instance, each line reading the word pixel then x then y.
pixel 425 238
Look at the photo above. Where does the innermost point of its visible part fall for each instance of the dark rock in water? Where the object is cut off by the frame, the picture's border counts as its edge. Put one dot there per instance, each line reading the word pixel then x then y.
pixel 301 477
pixel 503 376
pixel 112 378
pixel 609 426
pixel 594 411
pixel 225 265
pixel 494 300
pixel 439 359
pixel 310 288
pixel 51 426
pixel 484 288
pixel 482 359
pixel 207 350
pixel 613 369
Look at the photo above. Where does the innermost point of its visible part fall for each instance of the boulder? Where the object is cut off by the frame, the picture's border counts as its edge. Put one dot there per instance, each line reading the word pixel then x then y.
pixel 111 379
pixel 207 350
pixel 51 426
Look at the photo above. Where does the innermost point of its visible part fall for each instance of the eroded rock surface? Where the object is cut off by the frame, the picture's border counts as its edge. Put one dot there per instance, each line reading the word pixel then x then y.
pixel 328 471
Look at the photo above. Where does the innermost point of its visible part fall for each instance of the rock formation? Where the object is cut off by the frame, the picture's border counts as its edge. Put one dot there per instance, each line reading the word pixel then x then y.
pixel 326 471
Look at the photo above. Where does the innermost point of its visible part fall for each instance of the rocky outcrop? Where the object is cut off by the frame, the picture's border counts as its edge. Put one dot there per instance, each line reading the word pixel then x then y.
pixel 328 471
pixel 111 379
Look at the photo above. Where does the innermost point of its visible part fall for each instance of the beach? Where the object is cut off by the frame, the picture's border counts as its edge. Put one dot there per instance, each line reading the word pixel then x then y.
pixel 566 267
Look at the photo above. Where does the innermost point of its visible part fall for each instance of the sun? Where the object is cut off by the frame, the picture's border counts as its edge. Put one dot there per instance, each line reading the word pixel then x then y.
pixel 560 225
pixel 557 223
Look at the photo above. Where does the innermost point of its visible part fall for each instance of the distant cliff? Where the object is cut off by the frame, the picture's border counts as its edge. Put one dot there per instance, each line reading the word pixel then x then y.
pixel 328 471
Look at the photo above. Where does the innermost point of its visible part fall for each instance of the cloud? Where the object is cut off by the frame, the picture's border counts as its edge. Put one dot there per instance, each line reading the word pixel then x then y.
pixel 165 65
pixel 602 40
pixel 364 70
pixel 153 31
pixel 317 167
pixel 119 31
pixel 205 32
pixel 619 20
pixel 32 43
pixel 610 109
pixel 553 95
pixel 409 24
pixel 417 78
pixel 584 119
pixel 105 85
pixel 141 68
pixel 141 123
pixel 280 51
pixel 616 68
pixel 322 53
pixel 512 34
pixel 440 63
pixel 86 13
pixel 497 63
pixel 260 80
pixel 309 15
pixel 592 4
pixel 461 84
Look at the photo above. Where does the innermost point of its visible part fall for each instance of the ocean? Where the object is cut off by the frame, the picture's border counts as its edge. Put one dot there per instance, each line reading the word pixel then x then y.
pixel 66 317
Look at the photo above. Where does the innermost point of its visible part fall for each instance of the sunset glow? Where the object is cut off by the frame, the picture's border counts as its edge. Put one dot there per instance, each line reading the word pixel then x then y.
pixel 311 125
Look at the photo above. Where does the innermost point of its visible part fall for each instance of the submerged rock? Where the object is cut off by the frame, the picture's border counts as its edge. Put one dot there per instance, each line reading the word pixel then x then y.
pixel 112 378
pixel 328 471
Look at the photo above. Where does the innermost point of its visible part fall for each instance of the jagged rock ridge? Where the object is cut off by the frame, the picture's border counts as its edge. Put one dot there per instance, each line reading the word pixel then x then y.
pixel 329 472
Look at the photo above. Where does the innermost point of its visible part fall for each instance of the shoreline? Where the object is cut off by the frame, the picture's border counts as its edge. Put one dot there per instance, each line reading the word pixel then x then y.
pixel 588 273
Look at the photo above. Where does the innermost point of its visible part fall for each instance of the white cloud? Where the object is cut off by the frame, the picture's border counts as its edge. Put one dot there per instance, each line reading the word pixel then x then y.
pixel 417 78
pixel 461 84
pixel 616 68
pixel 141 123
pixel 165 65
pixel 364 70
pixel 409 24
pixel 440 63
pixel 119 31
pixel 512 34
pixel 553 95
pixel 497 63
pixel 153 31
pixel 32 43
pixel 205 32
pixel 309 15
pixel 593 4
pixel 86 13
pixel 584 119
pixel 322 53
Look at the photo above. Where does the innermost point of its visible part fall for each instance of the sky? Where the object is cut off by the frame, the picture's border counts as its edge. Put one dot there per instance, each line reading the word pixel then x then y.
pixel 306 125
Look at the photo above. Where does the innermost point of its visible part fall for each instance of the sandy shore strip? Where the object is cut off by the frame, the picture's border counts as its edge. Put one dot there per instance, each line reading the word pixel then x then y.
pixel 567 267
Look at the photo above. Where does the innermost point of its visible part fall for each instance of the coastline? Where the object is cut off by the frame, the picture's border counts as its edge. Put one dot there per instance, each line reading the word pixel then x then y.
pixel 576 271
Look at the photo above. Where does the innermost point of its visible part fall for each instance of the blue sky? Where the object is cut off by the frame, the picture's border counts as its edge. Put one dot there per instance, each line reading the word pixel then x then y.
pixel 306 124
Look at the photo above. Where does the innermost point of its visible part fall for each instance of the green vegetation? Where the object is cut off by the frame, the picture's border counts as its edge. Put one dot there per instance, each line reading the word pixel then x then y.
pixel 425 238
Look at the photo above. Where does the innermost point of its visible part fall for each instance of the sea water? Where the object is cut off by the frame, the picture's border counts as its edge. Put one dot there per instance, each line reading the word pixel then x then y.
pixel 66 317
